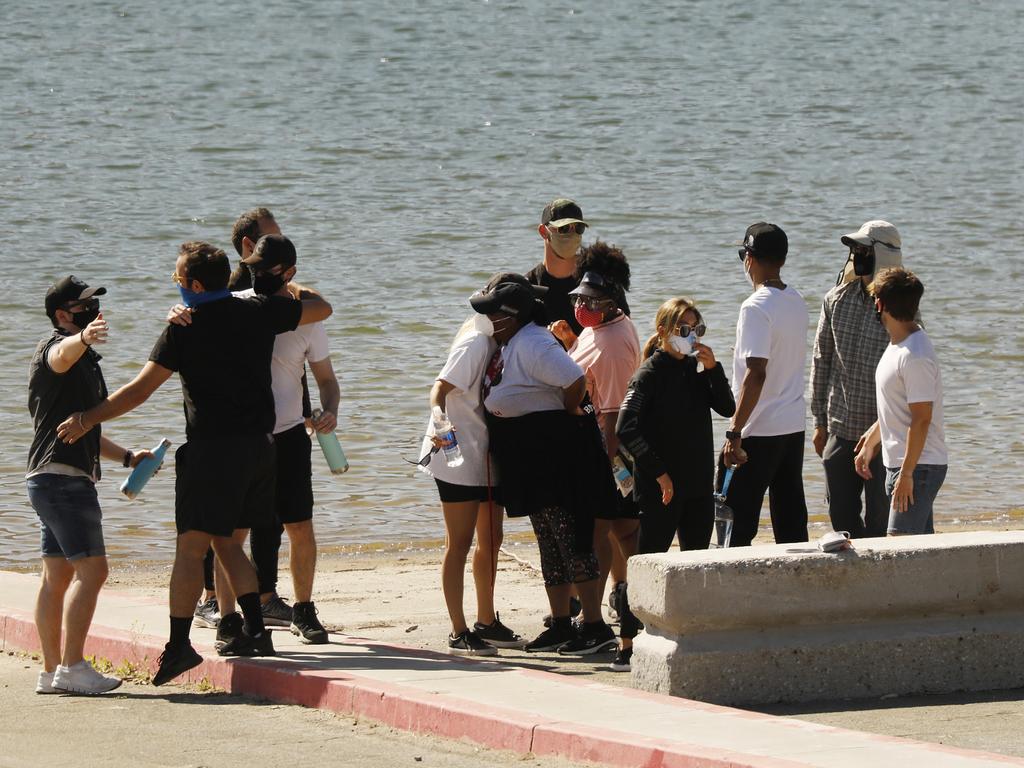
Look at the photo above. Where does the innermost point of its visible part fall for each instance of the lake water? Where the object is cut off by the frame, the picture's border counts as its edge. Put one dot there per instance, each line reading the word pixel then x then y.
pixel 408 148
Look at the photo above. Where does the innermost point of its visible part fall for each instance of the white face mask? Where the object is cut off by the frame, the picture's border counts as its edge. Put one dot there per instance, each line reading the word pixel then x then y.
pixel 483 324
pixel 746 271
pixel 683 346
pixel 565 246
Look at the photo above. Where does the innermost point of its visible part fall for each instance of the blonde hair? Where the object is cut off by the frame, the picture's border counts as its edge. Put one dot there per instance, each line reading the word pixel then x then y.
pixel 669 316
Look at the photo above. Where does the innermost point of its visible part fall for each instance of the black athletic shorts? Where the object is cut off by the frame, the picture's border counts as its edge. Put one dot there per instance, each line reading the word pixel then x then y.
pixel 293 500
pixel 453 494
pixel 222 484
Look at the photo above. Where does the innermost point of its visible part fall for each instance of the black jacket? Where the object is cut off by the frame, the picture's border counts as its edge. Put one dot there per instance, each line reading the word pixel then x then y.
pixel 665 423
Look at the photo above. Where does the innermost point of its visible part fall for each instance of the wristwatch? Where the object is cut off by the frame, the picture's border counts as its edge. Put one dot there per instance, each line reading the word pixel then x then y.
pixel 733 435
pixel 128 456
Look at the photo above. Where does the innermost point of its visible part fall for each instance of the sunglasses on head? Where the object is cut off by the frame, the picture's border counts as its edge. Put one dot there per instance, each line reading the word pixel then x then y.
pixel 577 227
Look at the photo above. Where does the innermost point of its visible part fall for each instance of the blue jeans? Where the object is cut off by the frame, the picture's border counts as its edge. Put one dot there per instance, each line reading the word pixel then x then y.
pixel 69 515
pixel 919 517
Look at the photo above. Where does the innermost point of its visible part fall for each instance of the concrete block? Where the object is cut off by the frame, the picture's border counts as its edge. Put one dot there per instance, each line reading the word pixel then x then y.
pixel 916 614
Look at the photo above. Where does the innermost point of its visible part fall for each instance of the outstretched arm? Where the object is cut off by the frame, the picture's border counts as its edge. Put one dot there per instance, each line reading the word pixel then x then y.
pixel 127 398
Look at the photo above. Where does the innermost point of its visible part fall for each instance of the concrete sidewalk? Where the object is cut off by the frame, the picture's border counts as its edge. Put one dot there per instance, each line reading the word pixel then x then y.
pixel 489 702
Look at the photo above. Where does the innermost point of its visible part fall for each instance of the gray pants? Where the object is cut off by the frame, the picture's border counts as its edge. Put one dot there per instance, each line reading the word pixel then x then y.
pixel 844 487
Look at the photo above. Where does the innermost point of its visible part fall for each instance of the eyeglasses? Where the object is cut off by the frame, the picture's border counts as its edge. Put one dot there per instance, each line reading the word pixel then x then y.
pixel 577 227
pixel 744 251
pixel 179 280
pixel 86 304
pixel 685 329
pixel 590 302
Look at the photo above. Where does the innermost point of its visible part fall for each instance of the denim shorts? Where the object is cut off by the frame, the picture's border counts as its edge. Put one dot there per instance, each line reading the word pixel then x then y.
pixel 69 515
pixel 919 516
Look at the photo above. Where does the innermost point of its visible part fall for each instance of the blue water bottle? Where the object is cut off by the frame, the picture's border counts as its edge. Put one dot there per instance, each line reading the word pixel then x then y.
pixel 145 469
pixel 331 446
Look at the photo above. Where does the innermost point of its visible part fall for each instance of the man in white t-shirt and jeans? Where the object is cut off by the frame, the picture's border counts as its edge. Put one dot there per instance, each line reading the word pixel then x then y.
pixel 765 441
pixel 908 388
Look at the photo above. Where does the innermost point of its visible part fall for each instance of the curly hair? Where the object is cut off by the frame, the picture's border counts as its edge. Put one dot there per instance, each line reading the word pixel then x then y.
pixel 607 260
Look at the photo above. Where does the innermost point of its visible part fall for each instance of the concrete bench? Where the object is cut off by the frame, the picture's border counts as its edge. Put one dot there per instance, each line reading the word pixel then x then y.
pixel 785 622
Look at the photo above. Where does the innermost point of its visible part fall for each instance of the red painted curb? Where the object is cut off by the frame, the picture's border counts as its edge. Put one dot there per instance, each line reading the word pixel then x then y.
pixel 419 711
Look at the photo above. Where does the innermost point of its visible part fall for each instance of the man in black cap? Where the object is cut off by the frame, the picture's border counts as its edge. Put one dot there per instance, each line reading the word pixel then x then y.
pixel 65 377
pixel 561 228
pixel 225 472
pixel 765 441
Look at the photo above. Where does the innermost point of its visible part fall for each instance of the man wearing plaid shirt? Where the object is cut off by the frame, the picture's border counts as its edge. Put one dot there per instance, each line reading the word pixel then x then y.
pixel 847 347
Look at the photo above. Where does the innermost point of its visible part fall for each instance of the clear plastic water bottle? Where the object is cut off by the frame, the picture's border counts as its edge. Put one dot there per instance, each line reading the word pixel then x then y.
pixel 331 446
pixel 724 517
pixel 446 434
pixel 145 469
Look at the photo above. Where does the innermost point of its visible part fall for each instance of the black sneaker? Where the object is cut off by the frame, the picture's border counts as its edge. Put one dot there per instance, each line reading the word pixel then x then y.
pixel 307 626
pixel 468 644
pixel 555 636
pixel 497 634
pixel 231 639
pixel 207 614
pixel 276 612
pixel 575 609
pixel 174 661
pixel 592 638
pixel 614 601
pixel 622 659
pixel 261 645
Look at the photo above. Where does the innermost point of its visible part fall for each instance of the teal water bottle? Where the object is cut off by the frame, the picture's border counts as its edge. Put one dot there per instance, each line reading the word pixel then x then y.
pixel 331 446
pixel 145 469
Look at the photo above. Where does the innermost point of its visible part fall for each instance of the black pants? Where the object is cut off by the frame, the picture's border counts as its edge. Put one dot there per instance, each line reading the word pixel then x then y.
pixel 844 487
pixel 774 464
pixel 692 519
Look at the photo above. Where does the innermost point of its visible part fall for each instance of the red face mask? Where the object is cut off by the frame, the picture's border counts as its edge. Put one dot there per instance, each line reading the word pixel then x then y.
pixel 588 318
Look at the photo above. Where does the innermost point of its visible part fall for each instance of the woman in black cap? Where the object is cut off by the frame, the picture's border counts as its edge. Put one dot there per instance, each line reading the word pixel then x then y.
pixel 541 440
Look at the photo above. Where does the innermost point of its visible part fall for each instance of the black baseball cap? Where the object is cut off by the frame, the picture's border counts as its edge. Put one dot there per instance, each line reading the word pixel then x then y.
pixel 510 293
pixel 271 250
pixel 562 211
pixel 67 290
pixel 766 241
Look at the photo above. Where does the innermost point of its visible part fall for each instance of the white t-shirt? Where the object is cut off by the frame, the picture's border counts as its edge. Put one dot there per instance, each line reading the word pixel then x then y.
pixel 909 373
pixel 534 371
pixel 464 370
pixel 291 351
pixel 773 325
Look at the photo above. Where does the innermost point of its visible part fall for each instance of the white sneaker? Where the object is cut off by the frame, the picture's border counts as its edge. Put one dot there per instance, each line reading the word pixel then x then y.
pixel 44 683
pixel 82 678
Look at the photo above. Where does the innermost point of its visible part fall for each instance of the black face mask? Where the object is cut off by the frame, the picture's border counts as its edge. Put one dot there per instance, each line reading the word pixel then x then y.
pixel 82 318
pixel 863 262
pixel 267 284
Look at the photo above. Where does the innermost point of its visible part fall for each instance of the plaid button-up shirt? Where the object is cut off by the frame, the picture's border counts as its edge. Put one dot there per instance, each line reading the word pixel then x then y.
pixel 847 347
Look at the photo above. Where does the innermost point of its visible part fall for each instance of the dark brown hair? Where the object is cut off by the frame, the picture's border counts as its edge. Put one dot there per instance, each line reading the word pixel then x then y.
pixel 248 225
pixel 899 291
pixel 206 263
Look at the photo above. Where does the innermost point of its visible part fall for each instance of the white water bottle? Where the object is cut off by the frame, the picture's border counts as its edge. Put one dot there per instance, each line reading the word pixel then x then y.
pixel 446 434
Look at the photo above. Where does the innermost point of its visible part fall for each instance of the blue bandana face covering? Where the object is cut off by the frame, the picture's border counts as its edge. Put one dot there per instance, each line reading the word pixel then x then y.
pixel 193 299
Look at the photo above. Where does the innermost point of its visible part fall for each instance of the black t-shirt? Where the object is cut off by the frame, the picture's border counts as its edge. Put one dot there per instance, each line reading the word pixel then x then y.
pixel 557 305
pixel 52 397
pixel 223 359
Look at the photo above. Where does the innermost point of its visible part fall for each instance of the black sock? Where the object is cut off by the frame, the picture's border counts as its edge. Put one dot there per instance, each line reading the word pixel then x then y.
pixel 180 629
pixel 253 613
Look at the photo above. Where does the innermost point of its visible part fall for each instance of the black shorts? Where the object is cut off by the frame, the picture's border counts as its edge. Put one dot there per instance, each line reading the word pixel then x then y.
pixel 453 494
pixel 293 499
pixel 225 483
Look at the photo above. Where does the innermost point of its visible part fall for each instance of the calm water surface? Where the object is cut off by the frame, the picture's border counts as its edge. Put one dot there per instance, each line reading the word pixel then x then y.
pixel 409 148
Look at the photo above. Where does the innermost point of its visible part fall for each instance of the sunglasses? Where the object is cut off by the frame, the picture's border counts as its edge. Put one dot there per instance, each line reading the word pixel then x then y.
pixel 590 302
pixel 179 280
pixel 744 251
pixel 699 329
pixel 577 227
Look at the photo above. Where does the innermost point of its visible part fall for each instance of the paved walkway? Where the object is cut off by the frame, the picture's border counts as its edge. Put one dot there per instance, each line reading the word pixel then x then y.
pixel 489 702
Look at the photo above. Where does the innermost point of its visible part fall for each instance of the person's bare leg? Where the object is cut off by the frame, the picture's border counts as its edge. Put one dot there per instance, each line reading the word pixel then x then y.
pixel 241 575
pixel 302 558
pixel 459 520
pixel 226 594
pixel 80 605
pixel 57 575
pixel 489 535
pixel 187 573
pixel 590 597
pixel 626 535
pixel 558 599
pixel 603 549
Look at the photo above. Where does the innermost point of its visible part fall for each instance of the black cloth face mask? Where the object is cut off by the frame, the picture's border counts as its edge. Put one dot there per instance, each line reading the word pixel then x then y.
pixel 266 283
pixel 82 318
